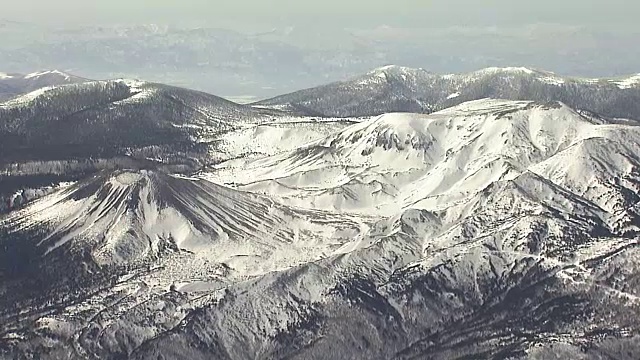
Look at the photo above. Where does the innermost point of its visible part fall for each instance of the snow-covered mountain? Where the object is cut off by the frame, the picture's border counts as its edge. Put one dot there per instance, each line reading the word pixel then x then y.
pixel 62 133
pixel 14 85
pixel 396 160
pixel 146 218
pixel 79 128
pixel 495 229
pixel 135 118
pixel 401 89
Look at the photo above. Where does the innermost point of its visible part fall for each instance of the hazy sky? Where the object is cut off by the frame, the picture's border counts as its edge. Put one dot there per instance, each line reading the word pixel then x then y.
pixel 317 40
pixel 247 14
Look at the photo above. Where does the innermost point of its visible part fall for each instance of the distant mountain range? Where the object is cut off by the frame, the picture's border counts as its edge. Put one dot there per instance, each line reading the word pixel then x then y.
pixel 401 89
pixel 13 85
pixel 265 63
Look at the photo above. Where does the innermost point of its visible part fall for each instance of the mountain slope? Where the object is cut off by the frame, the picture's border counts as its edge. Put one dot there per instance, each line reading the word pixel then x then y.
pixel 121 118
pixel 62 133
pixel 162 212
pixel 396 160
pixel 524 270
pixel 14 85
pixel 502 262
pixel 188 231
pixel 106 120
pixel 401 89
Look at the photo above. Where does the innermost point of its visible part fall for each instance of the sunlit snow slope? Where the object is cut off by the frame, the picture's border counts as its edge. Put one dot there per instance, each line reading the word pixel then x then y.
pixel 142 217
pixel 397 160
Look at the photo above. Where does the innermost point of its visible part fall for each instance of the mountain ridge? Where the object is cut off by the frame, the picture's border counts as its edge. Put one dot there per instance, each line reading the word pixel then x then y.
pixel 401 89
pixel 66 132
pixel 14 85
pixel 456 146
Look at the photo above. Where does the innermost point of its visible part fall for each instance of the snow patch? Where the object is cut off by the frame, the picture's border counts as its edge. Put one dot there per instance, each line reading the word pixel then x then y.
pixel 127 178
pixel 493 70
pixel 138 88
pixel 630 82
pixel 49 72
pixel 553 80
pixel 27 98
pixel 133 84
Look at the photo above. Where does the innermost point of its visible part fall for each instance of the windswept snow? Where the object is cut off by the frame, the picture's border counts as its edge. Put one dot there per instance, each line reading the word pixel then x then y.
pixel 391 162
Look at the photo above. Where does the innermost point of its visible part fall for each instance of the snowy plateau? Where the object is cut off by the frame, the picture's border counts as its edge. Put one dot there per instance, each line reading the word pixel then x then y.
pixel 146 221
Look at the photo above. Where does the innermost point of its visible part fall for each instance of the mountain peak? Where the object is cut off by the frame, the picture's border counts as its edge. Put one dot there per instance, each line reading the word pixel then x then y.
pixel 403 89
pixel 48 73
pixel 20 84
pixel 489 70
pixel 463 147
pixel 396 69
pixel 509 69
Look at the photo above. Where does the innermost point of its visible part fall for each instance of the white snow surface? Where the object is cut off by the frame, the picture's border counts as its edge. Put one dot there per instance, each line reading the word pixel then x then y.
pixel 282 135
pixel 205 232
pixel 25 99
pixel 48 72
pixel 137 88
pixel 465 191
pixel 491 70
pixel 397 161
pixel 379 74
pixel 630 82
